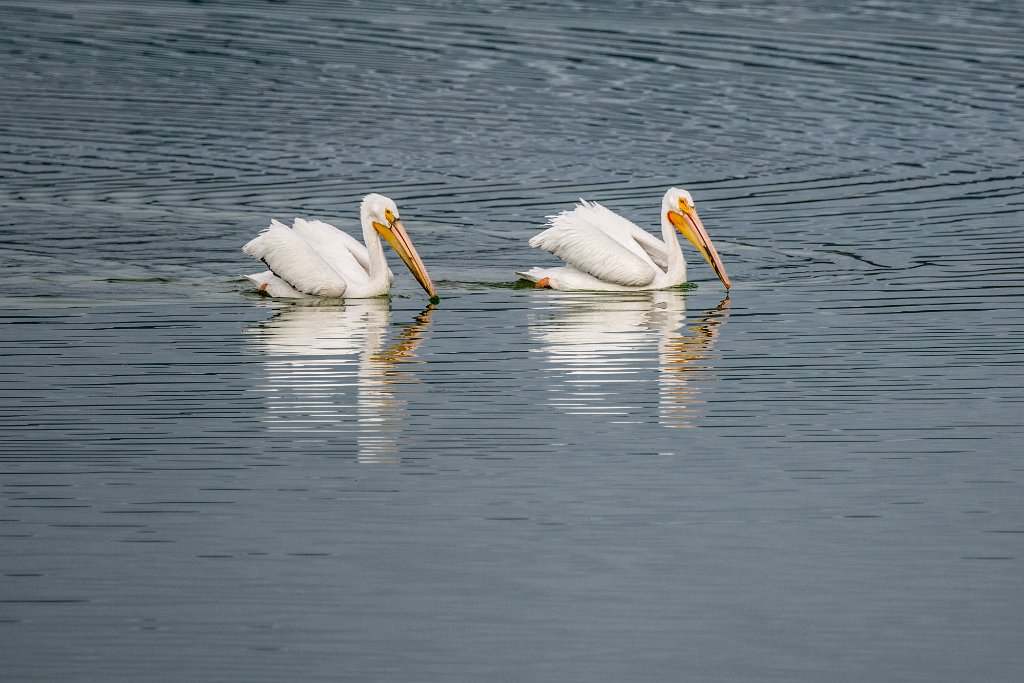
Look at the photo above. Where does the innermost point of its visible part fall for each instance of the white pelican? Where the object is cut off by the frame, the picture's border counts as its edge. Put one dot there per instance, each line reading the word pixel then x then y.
pixel 313 258
pixel 605 252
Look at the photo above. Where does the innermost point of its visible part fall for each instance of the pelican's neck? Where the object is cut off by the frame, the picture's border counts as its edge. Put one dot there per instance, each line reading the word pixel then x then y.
pixel 676 263
pixel 378 264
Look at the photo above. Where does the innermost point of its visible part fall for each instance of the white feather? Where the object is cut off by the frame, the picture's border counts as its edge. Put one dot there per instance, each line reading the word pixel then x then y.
pixel 569 279
pixel 624 231
pixel 598 242
pixel 295 261
pixel 271 284
pixel 341 251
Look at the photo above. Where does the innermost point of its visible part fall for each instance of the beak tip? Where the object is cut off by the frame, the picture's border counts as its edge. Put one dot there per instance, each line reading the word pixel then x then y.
pixel 435 299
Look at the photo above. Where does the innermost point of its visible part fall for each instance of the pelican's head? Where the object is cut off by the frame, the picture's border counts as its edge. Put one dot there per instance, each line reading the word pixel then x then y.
pixel 382 213
pixel 678 208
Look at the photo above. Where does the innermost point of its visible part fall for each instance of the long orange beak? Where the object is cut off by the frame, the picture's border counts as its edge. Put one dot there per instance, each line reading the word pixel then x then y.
pixel 689 223
pixel 398 238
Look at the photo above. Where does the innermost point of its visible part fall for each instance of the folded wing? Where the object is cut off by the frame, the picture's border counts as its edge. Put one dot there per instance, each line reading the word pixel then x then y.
pixel 342 252
pixel 597 241
pixel 625 232
pixel 296 261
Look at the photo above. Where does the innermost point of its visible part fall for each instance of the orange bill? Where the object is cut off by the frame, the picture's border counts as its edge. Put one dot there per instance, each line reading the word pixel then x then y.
pixel 398 238
pixel 690 225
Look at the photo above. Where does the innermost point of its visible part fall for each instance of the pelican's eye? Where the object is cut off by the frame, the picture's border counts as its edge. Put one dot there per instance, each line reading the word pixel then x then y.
pixel 684 204
pixel 389 214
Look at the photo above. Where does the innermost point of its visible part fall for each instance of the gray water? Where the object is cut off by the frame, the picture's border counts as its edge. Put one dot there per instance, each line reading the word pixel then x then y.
pixel 815 478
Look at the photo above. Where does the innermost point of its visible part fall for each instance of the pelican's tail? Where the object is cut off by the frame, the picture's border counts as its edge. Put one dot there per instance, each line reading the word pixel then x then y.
pixel 533 274
pixel 272 285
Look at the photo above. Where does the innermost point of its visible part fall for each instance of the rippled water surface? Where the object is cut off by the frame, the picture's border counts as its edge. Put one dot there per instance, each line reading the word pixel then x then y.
pixel 815 478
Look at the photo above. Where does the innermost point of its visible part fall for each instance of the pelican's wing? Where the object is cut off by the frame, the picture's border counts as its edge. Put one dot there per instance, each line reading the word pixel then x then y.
pixel 589 240
pixel 625 231
pixel 654 247
pixel 295 261
pixel 335 246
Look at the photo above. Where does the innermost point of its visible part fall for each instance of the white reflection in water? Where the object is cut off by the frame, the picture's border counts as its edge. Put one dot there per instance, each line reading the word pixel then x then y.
pixel 330 369
pixel 606 348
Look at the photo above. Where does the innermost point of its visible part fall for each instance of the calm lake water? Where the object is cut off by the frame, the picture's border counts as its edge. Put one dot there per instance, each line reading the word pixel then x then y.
pixel 817 478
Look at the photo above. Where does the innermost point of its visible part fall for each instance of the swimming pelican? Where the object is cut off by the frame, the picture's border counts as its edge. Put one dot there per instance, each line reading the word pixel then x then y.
pixel 313 258
pixel 605 252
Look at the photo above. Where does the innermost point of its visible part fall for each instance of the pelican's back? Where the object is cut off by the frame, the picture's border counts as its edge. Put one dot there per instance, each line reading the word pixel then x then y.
pixel 340 250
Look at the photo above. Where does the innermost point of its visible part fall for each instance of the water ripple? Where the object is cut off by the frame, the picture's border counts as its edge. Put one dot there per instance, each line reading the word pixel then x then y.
pixel 820 468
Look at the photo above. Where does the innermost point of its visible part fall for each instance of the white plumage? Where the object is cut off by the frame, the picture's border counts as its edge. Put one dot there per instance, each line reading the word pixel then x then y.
pixel 346 250
pixel 297 262
pixel 604 251
pixel 315 259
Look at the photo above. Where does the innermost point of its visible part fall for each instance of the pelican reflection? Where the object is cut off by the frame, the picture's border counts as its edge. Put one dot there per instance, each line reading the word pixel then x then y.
pixel 330 369
pixel 607 348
